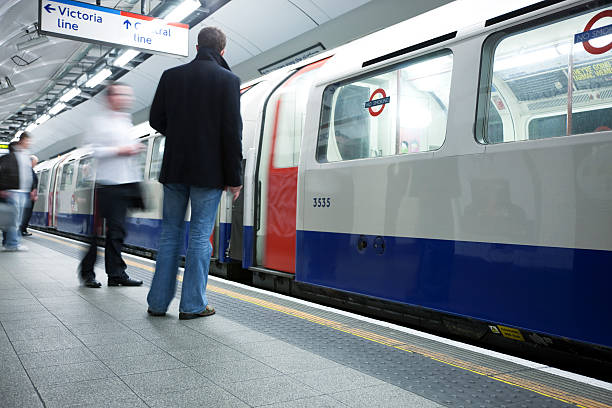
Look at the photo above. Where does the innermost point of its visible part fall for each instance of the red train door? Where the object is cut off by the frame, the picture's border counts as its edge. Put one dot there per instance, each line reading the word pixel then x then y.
pixel 285 114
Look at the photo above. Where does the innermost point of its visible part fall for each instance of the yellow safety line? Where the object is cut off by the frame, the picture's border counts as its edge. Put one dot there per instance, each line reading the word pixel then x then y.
pixel 538 388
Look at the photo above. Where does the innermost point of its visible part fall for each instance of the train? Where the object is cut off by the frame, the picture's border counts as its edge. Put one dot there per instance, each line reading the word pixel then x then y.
pixel 447 176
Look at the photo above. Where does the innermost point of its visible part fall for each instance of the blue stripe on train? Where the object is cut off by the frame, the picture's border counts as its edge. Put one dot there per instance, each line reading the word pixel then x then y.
pixel 75 223
pixel 559 291
pixel 225 233
pixel 247 246
pixel 39 218
pixel 141 232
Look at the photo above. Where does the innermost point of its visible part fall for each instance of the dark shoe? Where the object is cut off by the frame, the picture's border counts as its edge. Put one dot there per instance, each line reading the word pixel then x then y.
pixel 156 314
pixel 92 283
pixel 26 233
pixel 124 282
pixel 209 311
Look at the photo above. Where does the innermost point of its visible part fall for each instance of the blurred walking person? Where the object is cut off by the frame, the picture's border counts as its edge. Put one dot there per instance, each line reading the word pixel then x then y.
pixel 15 188
pixel 27 212
pixel 117 179
pixel 197 107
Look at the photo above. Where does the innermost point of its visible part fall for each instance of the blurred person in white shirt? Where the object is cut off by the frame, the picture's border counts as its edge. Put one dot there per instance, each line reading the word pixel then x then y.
pixel 117 183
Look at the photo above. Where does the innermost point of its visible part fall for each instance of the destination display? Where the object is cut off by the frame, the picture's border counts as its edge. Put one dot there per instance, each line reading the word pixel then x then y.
pixel 101 25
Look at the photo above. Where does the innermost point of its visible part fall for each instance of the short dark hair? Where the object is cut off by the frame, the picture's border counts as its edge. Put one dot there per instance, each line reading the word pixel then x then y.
pixel 11 146
pixel 212 37
pixel 26 135
pixel 112 84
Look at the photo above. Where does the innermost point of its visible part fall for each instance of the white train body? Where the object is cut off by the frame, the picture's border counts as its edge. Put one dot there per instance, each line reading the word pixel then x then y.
pixel 431 164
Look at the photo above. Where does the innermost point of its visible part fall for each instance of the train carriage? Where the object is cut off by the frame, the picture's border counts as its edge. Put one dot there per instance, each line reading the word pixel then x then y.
pixel 452 174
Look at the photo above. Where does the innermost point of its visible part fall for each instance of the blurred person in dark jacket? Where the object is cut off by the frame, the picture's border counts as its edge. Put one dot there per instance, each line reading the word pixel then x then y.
pixel 197 107
pixel 27 212
pixel 16 187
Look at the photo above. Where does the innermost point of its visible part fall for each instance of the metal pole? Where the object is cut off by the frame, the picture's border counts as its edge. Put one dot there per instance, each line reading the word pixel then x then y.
pixel 570 90
pixel 143 7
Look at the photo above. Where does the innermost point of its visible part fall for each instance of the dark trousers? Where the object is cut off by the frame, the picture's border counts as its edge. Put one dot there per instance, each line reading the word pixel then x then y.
pixel 27 214
pixel 112 204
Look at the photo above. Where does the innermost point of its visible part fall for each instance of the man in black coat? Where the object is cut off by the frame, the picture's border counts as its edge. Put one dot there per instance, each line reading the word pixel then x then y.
pixel 197 107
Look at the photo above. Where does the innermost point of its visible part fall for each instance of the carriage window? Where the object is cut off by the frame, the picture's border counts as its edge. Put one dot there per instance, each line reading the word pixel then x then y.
pixel 157 157
pixel 529 86
pixel 67 173
pixel 142 161
pixel 287 109
pixel 395 112
pixel 43 180
pixel 85 176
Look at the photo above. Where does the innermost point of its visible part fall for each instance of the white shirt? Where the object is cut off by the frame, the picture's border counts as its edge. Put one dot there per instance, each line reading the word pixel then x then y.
pixel 107 132
pixel 24 163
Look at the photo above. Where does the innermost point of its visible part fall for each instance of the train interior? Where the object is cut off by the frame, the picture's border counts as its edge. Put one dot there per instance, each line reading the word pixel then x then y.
pixel 529 96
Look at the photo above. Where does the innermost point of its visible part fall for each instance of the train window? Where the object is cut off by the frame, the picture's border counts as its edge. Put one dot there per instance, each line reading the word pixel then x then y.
pixel 529 91
pixel 85 176
pixel 67 173
pixel 287 107
pixel 399 111
pixel 43 180
pixel 142 162
pixel 156 158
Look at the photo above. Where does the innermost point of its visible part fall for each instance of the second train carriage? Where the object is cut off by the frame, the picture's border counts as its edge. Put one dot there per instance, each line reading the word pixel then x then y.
pixel 463 173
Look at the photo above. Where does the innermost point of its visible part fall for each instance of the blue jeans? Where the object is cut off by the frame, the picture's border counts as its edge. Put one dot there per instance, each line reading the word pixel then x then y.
pixel 13 234
pixel 204 204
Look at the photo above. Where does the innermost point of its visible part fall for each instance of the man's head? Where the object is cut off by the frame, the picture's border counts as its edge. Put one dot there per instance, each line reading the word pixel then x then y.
pixel 24 141
pixel 119 96
pixel 213 38
pixel 34 160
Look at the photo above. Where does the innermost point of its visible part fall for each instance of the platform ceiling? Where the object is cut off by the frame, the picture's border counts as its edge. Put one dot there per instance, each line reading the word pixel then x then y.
pixel 252 27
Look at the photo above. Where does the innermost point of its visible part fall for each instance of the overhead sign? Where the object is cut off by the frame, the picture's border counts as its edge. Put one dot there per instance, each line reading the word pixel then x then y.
pixel 292 59
pixel 101 25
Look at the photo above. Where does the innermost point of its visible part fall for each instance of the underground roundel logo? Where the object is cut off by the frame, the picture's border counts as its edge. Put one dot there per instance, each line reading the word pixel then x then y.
pixel 589 34
pixel 375 103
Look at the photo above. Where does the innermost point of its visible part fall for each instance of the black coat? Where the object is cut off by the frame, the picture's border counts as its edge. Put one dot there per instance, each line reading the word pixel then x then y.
pixel 9 172
pixel 197 107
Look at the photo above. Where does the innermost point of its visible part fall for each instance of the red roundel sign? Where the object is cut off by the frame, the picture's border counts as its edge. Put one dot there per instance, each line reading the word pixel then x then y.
pixel 587 46
pixel 382 101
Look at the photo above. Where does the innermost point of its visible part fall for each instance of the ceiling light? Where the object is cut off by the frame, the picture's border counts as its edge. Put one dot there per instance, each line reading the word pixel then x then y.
pixel 70 94
pixel 98 78
pixel 530 58
pixel 31 127
pixel 57 108
pixel 32 42
pixel 6 86
pixel 126 57
pixel 82 79
pixel 43 119
pixel 182 10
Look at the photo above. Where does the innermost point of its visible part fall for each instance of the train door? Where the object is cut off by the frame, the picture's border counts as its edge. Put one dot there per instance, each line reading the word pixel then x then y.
pixel 65 203
pixel 83 196
pixel 52 196
pixel 285 114
pixel 227 233
pixel 41 208
pixel 373 185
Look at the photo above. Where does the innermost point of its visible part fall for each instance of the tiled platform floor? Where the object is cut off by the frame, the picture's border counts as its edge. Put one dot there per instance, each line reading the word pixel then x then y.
pixel 63 345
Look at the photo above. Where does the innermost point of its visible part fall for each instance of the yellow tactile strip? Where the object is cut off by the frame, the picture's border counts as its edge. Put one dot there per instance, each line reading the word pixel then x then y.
pixel 510 379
